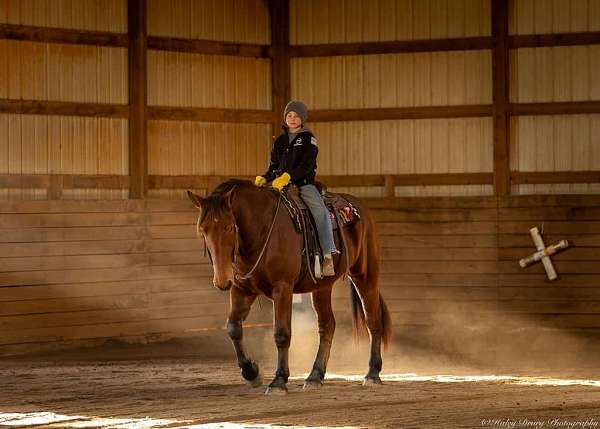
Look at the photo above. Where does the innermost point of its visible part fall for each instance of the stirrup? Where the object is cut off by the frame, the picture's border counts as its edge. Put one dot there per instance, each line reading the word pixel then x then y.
pixel 318 271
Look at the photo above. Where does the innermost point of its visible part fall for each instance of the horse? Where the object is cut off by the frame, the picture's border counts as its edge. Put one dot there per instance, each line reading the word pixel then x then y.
pixel 255 250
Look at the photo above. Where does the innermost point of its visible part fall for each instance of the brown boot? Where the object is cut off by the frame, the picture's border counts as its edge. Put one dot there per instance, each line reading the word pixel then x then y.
pixel 328 269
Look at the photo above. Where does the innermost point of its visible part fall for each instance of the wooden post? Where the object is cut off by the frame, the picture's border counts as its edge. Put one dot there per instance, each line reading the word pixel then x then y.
pixel 138 145
pixel 501 102
pixel 279 15
pixel 390 186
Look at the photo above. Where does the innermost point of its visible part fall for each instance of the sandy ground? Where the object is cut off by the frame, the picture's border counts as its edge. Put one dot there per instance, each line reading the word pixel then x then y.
pixel 135 387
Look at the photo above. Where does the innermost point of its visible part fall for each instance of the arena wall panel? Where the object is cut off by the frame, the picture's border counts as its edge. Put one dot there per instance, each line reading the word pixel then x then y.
pixel 339 21
pixel 407 147
pixel 228 20
pixel 556 143
pixel 195 80
pixel 37 144
pixel 72 272
pixel 553 16
pixel 184 147
pixel 61 72
pixel 91 15
pixel 555 74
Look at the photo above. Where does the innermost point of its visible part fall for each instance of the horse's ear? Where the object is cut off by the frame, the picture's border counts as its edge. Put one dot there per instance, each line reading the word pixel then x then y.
pixel 196 199
pixel 228 198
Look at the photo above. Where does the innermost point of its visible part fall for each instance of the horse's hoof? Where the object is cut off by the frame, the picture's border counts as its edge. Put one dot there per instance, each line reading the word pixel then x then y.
pixel 372 382
pixel 312 384
pixel 257 382
pixel 276 391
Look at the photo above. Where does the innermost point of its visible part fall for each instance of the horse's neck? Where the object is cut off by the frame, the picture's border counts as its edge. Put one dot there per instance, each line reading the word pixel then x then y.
pixel 253 212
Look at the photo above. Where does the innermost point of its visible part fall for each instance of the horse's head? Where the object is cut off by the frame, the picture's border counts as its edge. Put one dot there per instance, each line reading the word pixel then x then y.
pixel 216 223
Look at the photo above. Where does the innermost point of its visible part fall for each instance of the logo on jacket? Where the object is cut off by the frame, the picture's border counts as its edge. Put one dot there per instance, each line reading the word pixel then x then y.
pixel 313 140
pixel 298 142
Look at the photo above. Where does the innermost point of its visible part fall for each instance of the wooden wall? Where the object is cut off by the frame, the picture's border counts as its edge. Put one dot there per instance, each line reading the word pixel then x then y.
pixel 397 80
pixel 205 149
pixel 246 21
pixel 36 144
pixel 92 15
pixel 407 147
pixel 337 21
pixel 184 79
pixel 407 100
pixel 555 74
pixel 77 272
pixel 59 72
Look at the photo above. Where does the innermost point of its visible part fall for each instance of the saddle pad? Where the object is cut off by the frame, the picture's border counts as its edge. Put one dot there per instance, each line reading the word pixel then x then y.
pixel 348 213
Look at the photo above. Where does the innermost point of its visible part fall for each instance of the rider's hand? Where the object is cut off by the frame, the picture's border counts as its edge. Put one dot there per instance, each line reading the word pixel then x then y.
pixel 260 181
pixel 281 181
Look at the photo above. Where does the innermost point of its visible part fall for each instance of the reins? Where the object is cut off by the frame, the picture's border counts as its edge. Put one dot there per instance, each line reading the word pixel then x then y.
pixel 262 252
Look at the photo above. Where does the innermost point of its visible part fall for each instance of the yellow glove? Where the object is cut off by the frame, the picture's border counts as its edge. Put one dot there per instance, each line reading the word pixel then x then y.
pixel 260 181
pixel 281 181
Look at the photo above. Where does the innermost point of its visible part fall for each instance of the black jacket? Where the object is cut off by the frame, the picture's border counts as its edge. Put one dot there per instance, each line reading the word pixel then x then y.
pixel 298 157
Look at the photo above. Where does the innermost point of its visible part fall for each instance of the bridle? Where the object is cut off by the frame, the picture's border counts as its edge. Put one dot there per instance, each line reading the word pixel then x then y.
pixel 236 247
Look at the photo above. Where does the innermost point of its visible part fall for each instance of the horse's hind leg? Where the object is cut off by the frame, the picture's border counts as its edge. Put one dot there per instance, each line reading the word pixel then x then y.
pixel 240 307
pixel 371 302
pixel 321 300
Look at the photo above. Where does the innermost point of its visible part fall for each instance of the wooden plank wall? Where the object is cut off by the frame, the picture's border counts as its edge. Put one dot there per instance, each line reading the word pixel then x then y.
pixel 182 79
pixel 91 15
pixel 338 21
pixel 407 147
pixel 185 148
pixel 571 302
pixel 397 80
pixel 74 272
pixel 555 74
pixel 36 144
pixel 227 20
pixel 82 272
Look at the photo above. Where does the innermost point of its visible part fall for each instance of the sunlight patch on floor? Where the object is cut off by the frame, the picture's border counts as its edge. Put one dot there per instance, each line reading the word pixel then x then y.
pixel 79 422
pixel 260 426
pixel 447 378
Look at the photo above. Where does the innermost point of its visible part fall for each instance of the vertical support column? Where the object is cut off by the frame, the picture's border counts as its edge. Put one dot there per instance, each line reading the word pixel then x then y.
pixel 501 79
pixel 279 18
pixel 138 145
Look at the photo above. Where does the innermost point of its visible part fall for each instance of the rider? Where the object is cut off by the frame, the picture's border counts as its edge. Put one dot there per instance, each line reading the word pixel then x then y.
pixel 294 159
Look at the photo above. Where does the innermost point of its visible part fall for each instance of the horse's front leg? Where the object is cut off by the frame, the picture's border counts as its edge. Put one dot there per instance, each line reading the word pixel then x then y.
pixel 240 307
pixel 282 314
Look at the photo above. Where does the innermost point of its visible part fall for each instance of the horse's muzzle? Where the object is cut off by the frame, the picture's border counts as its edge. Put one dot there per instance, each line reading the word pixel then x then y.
pixel 225 288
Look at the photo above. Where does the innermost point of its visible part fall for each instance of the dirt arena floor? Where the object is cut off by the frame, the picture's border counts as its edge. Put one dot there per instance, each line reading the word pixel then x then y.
pixel 197 384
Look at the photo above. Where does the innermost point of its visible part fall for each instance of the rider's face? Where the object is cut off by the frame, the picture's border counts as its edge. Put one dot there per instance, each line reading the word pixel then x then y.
pixel 293 121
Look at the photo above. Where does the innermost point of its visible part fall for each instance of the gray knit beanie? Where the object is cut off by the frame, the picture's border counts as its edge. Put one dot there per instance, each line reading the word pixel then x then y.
pixel 296 106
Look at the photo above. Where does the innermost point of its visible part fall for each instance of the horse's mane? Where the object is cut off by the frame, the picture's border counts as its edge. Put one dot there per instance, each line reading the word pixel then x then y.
pixel 213 203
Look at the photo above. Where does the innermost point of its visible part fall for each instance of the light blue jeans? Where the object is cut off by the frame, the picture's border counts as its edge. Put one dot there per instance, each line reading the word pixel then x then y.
pixel 312 198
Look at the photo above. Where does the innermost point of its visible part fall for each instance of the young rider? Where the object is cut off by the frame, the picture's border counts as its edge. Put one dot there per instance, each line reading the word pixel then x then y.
pixel 294 159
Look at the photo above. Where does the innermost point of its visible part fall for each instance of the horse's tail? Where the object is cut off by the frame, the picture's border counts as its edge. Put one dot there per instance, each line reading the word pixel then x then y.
pixel 359 323
pixel 369 265
pixel 386 324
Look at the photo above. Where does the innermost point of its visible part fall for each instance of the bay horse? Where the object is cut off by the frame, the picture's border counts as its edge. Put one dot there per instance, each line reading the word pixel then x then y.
pixel 255 250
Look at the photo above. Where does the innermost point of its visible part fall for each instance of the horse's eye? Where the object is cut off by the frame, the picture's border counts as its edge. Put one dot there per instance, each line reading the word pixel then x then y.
pixel 229 228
